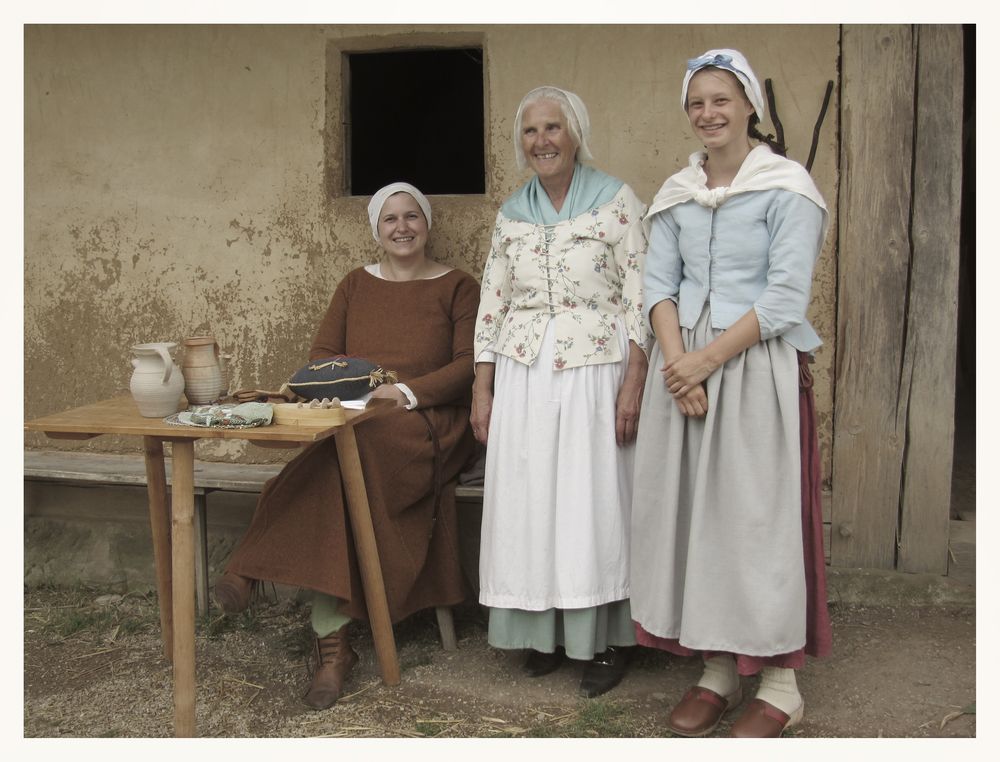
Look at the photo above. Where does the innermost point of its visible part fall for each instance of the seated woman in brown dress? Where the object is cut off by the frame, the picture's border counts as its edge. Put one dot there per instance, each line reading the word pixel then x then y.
pixel 415 316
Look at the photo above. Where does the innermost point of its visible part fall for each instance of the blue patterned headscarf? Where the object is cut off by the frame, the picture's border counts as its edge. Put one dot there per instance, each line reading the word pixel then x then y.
pixel 730 60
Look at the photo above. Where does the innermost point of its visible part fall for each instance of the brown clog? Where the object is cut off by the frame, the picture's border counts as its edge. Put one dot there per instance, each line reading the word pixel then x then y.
pixel 763 720
pixel 700 711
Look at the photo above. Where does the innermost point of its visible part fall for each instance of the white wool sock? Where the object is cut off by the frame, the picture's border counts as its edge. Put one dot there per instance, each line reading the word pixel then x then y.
pixel 720 675
pixel 778 688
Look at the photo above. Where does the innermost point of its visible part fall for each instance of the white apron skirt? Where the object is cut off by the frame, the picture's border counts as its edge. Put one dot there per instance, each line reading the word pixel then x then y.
pixel 557 494
pixel 717 510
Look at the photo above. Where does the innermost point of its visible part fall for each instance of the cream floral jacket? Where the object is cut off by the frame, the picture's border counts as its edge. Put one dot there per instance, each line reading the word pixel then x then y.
pixel 582 273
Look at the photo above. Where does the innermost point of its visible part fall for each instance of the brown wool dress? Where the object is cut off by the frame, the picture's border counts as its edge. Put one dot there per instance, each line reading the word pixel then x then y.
pixel 300 534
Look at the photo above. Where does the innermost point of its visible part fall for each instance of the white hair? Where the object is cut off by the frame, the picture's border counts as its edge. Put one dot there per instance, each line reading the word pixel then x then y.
pixel 573 111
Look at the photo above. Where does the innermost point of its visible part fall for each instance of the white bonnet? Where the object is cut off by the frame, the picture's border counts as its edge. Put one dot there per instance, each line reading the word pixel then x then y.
pixel 382 194
pixel 573 108
pixel 730 60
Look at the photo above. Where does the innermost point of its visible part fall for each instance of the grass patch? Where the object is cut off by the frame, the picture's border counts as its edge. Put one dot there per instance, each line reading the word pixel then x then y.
pixel 66 624
pixel 219 625
pixel 133 625
pixel 603 720
pixel 429 729
pixel 594 719
pixel 63 613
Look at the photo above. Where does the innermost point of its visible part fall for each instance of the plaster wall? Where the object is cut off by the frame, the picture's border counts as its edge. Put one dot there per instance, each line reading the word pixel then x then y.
pixel 189 179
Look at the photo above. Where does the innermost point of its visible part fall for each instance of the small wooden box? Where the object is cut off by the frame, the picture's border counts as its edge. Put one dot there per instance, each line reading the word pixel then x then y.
pixel 290 413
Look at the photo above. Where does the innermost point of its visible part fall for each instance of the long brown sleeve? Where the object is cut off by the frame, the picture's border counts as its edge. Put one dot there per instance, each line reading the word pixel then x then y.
pixel 331 335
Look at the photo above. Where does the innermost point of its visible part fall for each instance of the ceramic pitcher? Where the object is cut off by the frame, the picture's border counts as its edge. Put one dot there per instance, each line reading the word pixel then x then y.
pixel 202 373
pixel 157 383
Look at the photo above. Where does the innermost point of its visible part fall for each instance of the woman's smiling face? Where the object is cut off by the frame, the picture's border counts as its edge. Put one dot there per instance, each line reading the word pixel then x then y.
pixel 546 140
pixel 402 227
pixel 718 108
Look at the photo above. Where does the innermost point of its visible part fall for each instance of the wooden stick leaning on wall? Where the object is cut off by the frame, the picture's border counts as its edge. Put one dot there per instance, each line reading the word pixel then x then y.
pixel 819 123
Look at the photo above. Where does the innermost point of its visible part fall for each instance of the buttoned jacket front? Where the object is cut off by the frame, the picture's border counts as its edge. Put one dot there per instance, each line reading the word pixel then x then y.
pixel 755 251
pixel 583 273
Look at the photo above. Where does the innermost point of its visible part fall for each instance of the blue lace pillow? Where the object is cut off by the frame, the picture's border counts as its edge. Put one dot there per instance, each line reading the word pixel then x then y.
pixel 348 378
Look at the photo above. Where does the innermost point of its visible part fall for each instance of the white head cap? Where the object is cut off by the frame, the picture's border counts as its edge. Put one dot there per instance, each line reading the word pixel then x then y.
pixel 382 194
pixel 577 119
pixel 730 60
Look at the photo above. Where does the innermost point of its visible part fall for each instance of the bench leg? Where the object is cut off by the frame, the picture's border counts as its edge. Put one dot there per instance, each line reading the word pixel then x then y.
pixel 446 625
pixel 201 552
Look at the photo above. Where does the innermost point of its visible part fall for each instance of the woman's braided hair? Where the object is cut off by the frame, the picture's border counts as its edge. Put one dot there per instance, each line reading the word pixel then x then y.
pixel 756 134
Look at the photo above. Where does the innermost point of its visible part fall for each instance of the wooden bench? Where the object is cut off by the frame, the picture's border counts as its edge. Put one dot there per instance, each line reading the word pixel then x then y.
pixel 93 469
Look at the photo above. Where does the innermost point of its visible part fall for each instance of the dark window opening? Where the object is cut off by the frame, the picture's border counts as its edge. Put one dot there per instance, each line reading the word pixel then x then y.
pixel 416 116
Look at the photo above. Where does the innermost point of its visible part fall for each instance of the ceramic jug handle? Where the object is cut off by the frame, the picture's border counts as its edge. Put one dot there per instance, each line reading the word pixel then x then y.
pixel 168 363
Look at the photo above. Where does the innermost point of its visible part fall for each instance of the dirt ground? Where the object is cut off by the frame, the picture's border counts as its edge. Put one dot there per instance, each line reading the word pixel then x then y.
pixel 94 667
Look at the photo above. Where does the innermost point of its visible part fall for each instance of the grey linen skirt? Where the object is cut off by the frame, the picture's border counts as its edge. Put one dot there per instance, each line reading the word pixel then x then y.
pixel 716 537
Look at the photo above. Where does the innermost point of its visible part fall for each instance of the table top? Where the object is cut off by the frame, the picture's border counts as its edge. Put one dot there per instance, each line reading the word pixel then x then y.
pixel 121 416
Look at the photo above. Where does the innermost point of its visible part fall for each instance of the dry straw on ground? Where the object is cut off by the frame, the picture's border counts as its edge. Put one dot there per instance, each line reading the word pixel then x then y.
pixel 94 667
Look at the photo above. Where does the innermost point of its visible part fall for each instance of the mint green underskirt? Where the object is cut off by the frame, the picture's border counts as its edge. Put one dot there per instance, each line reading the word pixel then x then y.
pixel 325 615
pixel 582 632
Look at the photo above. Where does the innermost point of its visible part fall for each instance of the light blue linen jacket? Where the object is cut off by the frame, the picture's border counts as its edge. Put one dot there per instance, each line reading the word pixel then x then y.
pixel 757 249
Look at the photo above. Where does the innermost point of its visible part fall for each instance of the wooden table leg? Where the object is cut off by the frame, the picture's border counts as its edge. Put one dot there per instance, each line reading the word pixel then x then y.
pixel 159 523
pixel 182 535
pixel 368 561
pixel 201 552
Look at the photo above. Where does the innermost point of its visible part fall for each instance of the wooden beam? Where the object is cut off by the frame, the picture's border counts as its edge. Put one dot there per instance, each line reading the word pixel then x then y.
pixel 873 269
pixel 931 335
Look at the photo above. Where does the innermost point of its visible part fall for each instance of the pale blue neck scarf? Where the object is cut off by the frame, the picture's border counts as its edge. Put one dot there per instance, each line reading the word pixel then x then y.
pixel 589 189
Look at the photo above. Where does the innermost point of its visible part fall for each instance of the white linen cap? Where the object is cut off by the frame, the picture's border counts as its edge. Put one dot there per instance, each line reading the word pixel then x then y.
pixel 382 194
pixel 573 108
pixel 730 60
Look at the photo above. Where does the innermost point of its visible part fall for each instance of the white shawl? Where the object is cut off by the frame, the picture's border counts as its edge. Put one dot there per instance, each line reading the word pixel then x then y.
pixel 762 170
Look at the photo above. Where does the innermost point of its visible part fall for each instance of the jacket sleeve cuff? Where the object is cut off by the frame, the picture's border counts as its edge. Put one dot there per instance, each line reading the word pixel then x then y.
pixel 409 395
pixel 771 325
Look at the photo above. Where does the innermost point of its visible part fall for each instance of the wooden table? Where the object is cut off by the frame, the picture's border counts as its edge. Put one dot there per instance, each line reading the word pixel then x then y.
pixel 173 524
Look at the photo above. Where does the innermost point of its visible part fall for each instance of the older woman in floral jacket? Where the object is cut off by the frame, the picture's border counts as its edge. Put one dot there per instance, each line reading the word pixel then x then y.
pixel 560 361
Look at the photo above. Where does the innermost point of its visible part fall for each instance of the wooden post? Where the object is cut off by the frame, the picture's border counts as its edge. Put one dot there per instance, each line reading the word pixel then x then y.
pixel 368 560
pixel 159 524
pixel 932 319
pixel 873 270
pixel 182 526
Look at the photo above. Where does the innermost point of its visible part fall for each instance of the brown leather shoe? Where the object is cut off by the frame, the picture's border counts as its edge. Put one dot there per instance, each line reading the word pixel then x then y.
pixel 700 711
pixel 335 659
pixel 233 593
pixel 763 720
